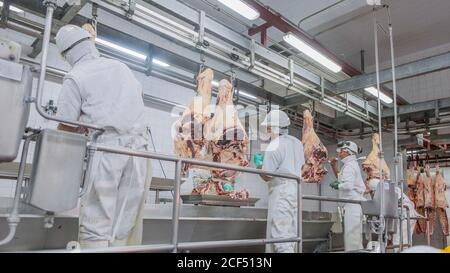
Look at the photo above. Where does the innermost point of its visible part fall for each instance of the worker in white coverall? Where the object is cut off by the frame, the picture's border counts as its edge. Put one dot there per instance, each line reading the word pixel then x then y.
pixel 105 92
pixel 284 154
pixel 350 186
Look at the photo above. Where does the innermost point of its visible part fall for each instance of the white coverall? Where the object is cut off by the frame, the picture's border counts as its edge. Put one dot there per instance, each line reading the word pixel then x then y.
pixel 285 155
pixel 351 187
pixel 105 92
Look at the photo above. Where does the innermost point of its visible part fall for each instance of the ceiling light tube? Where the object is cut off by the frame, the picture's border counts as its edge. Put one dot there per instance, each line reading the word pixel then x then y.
pixel 121 49
pixel 245 94
pixel 160 63
pixel 311 52
pixel 374 92
pixel 241 8
pixel 13 8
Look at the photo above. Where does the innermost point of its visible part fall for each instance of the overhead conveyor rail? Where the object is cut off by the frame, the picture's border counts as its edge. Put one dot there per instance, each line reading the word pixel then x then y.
pixel 225 49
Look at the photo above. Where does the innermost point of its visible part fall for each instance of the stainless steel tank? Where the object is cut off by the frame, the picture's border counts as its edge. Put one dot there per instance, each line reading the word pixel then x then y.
pixel 58 169
pixel 15 88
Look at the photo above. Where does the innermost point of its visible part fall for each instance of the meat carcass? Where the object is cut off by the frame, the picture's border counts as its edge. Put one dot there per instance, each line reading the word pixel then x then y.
pixel 315 152
pixel 420 190
pixel 443 220
pixel 411 183
pixel 187 132
pixel 421 225
pixel 439 190
pixel 221 138
pixel 428 189
pixel 225 134
pixel 215 187
pixel 410 179
pixel 371 165
pixel 441 201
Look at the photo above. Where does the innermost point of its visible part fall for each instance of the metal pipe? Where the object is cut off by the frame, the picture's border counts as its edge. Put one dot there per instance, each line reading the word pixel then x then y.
pixel 343 23
pixel 331 199
pixel 45 45
pixel 408 224
pixel 181 246
pixel 14 217
pixel 396 153
pixel 299 216
pixel 234 243
pixel 87 181
pixel 191 161
pixel 381 156
pixel 317 12
pixel 176 206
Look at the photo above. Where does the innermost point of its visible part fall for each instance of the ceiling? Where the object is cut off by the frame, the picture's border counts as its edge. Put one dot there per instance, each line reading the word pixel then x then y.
pixel 335 29
pixel 347 28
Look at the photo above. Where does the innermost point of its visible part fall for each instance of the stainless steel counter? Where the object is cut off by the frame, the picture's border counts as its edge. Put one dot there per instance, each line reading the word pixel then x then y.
pixel 197 223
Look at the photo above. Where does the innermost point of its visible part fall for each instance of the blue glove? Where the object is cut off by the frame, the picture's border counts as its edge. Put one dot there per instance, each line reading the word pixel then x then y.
pixel 335 185
pixel 258 160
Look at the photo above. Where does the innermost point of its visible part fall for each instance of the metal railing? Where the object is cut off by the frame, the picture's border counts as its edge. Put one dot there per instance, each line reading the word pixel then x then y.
pixel 175 245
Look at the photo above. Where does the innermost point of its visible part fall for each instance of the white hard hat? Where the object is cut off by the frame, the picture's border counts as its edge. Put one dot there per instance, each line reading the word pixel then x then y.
pixel 70 35
pixel 348 145
pixel 276 118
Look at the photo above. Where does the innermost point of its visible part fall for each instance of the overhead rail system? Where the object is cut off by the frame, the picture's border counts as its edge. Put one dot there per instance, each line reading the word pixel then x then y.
pixel 224 49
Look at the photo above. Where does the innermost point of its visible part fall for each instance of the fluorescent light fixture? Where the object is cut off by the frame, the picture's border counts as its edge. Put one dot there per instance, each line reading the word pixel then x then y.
pixel 241 8
pixel 215 83
pixel 121 49
pixel 374 92
pixel 311 52
pixel 13 8
pixel 245 94
pixel 160 63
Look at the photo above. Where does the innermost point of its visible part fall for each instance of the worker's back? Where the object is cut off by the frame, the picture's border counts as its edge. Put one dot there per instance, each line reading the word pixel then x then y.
pixel 285 155
pixel 111 95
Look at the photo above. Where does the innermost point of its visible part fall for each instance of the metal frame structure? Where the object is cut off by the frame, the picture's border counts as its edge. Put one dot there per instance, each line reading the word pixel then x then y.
pixel 190 37
pixel 246 55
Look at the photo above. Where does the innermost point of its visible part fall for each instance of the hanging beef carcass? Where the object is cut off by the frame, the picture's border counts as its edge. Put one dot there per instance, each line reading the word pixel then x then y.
pixel 188 133
pixel 420 201
pixel 227 143
pixel 429 202
pixel 428 191
pixel 220 139
pixel 441 201
pixel 371 165
pixel 315 152
pixel 411 183
pixel 225 134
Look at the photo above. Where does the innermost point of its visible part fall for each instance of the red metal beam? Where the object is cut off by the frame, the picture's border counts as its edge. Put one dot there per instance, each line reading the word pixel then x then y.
pixel 258 29
pixel 264 38
pixel 284 26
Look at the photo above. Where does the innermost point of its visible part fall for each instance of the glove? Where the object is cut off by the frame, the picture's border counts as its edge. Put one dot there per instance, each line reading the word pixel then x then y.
pixel 335 185
pixel 258 160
